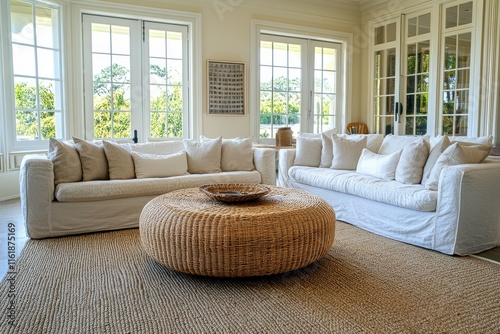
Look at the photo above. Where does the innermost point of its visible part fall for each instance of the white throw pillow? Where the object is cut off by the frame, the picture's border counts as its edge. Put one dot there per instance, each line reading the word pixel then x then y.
pixel 486 140
pixel 346 152
pixel 438 146
pixel 120 162
pixel 326 148
pixel 392 143
pixel 152 165
pixel 455 154
pixel 308 151
pixel 93 159
pixel 236 154
pixel 411 163
pixel 377 165
pixel 66 161
pixel 373 142
pixel 203 157
pixel 159 148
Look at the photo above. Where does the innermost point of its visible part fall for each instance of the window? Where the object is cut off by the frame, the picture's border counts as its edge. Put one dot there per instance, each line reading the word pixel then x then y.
pixel 299 85
pixel 37 78
pixel 116 54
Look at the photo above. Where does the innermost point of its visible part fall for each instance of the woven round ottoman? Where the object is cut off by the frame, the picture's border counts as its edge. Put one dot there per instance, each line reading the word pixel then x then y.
pixel 284 230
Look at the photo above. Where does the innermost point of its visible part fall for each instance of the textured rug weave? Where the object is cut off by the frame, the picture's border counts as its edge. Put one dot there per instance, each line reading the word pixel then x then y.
pixel 105 283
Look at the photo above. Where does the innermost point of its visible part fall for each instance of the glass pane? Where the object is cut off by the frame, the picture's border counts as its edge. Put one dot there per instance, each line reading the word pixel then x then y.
pixel 449 80
pixel 101 67
pixel 318 81
pixel 120 40
pixel 174 98
pixel 121 125
pixel 48 64
pixel 25 92
pixel 462 102
pixel 318 104
pixel 174 45
pixel 293 106
pixel 23 55
pixel 423 104
pixel 465 13
pixel 329 59
pixel 410 84
pixel 158 98
pixel 411 61
pixel 329 82
pixel 266 53
pixel 27 125
pixel 329 105
pixel 266 77
pixel 420 125
pixel 409 126
pixel 294 81
pixel 102 96
pixel 47 94
pixel 423 56
pixel 294 56
pixel 424 24
pixel 391 32
pixel 174 125
pixel 448 102
pixel 157 46
pixel 451 17
pixel 450 52
pixel 46 27
pixel 412 27
pixel 121 97
pixel 158 125
pixel 21 23
pixel 423 83
pixel 101 38
pixel 158 74
pixel 102 125
pixel 280 81
pixel 265 126
pixel 463 78
pixel 265 103
pixel 448 125
pixel 175 72
pixel 391 86
pixel 279 103
pixel 464 50
pixel 380 35
pixel 389 105
pixel 410 104
pixel 121 69
pixel 391 62
pixel 280 54
pixel 48 124
pixel 461 125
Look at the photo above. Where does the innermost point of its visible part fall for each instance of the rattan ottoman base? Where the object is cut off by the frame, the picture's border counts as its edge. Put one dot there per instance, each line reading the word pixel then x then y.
pixel 189 232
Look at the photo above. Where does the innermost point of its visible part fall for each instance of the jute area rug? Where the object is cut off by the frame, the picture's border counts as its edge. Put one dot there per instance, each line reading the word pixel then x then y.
pixel 105 283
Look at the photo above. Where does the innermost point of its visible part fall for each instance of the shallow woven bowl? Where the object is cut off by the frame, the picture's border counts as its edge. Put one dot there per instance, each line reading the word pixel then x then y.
pixel 234 192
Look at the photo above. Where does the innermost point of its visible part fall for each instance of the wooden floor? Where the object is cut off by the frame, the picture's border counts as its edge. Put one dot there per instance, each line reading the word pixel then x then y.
pixel 11 220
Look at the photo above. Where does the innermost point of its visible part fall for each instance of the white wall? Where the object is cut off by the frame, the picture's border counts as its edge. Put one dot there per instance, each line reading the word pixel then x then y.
pixel 9 185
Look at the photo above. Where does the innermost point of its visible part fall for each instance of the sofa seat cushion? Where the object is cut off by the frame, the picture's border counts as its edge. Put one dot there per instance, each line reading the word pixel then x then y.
pixel 111 189
pixel 410 196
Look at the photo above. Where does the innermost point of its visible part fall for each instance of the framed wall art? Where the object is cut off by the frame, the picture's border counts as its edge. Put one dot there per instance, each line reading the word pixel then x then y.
pixel 226 88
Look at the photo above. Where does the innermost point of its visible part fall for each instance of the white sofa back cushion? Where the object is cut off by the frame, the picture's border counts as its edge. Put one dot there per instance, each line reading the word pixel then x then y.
pixel 160 148
pixel 392 143
pixel 152 165
pixel 308 151
pixel 120 162
pixel 378 165
pixel 411 163
pixel 346 152
pixel 236 154
pixel 93 160
pixel 438 146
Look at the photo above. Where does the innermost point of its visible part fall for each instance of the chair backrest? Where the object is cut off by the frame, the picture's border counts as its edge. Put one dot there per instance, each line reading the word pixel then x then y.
pixel 356 128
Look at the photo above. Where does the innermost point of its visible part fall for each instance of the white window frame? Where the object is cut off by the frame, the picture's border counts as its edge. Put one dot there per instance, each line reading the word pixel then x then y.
pixel 259 27
pixel 193 21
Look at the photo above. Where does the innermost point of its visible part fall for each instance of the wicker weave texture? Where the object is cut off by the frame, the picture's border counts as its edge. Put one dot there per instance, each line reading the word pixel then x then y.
pixel 285 230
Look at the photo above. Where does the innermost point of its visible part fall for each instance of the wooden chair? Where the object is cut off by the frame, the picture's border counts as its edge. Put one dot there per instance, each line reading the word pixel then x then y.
pixel 356 128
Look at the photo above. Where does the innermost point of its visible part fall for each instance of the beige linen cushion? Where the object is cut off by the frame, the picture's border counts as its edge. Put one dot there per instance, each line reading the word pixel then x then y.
pixel 411 163
pixel 66 161
pixel 93 159
pixel 392 143
pixel 438 146
pixel 236 154
pixel 455 154
pixel 377 165
pixel 153 165
pixel 203 157
pixel 326 148
pixel 346 152
pixel 308 151
pixel 120 162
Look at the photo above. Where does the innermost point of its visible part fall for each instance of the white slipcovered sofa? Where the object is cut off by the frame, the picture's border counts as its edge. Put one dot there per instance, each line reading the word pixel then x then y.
pixel 82 187
pixel 439 193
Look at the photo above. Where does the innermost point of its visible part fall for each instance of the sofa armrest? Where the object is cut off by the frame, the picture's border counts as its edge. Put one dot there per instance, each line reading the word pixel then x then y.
pixel 36 180
pixel 285 161
pixel 264 160
pixel 469 198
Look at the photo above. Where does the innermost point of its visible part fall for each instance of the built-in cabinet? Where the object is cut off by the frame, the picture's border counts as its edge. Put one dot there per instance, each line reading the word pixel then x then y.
pixel 421 70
